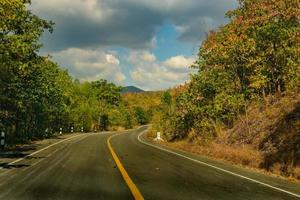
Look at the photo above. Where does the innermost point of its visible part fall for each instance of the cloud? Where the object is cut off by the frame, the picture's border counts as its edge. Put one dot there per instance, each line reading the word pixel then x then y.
pixel 85 29
pixel 152 74
pixel 112 59
pixel 91 65
pixel 126 23
pixel 139 57
pixel 179 62
pixel 146 71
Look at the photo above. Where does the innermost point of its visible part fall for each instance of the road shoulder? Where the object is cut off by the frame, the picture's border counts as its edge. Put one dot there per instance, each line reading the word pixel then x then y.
pixel 279 184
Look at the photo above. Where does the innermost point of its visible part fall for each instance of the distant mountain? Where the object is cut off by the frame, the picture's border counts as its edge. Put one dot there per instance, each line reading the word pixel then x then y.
pixel 131 89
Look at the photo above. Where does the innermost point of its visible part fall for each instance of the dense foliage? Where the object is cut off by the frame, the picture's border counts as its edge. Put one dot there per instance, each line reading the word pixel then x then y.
pixel 37 97
pixel 255 55
pixel 242 105
pixel 142 106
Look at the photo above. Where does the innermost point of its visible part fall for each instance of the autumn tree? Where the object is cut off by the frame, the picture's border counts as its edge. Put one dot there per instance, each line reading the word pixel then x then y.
pixel 254 55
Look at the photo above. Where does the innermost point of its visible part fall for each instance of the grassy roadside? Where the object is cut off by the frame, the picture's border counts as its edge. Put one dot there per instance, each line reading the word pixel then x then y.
pixel 238 156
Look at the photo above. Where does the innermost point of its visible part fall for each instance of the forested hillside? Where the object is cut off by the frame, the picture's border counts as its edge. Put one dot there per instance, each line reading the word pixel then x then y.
pixel 246 90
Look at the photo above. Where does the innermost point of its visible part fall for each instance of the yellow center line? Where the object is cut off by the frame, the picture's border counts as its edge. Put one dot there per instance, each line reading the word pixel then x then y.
pixel 134 190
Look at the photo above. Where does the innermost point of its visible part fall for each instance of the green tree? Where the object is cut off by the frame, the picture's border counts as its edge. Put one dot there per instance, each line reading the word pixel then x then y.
pixel 20 65
pixel 166 98
pixel 141 115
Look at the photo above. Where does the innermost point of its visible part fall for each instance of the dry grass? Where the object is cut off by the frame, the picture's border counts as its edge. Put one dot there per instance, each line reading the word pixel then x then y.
pixel 296 172
pixel 263 119
pixel 244 155
pixel 116 128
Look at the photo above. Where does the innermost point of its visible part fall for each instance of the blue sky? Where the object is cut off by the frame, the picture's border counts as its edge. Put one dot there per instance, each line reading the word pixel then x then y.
pixel 169 45
pixel 149 44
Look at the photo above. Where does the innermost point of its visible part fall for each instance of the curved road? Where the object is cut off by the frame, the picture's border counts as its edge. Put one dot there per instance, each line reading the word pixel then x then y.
pixel 82 167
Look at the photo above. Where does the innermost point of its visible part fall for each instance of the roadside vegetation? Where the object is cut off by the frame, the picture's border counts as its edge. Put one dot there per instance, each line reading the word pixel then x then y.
pixel 243 103
pixel 37 97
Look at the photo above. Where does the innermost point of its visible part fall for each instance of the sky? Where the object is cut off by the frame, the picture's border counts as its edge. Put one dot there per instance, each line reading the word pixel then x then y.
pixel 146 43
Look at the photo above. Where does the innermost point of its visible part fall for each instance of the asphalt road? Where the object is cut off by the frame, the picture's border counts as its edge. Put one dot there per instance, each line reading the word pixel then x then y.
pixel 83 168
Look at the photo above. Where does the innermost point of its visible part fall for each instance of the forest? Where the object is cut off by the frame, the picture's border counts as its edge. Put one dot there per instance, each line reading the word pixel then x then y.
pixel 38 97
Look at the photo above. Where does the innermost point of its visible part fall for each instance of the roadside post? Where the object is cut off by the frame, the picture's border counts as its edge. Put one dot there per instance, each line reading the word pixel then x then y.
pixel 2 139
pixel 72 129
pixel 158 137
pixel 82 129
pixel 60 131
pixel 46 132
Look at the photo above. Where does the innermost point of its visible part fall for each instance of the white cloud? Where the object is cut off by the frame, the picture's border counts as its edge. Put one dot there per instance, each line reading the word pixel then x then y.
pixel 112 59
pixel 146 70
pixel 152 74
pixel 179 62
pixel 120 78
pixel 140 56
pixel 91 65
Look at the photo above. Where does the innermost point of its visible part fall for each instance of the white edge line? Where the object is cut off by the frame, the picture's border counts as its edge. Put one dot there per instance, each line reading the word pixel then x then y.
pixel 51 145
pixel 215 167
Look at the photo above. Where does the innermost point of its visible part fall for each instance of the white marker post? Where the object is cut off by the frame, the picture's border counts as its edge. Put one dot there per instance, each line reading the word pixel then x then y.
pixel 72 129
pixel 60 131
pixel 2 141
pixel 158 137
pixel 82 129
pixel 46 132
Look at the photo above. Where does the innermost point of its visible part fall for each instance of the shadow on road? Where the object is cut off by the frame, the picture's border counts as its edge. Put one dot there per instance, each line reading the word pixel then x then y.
pixel 18 151
pixel 13 166
pixel 12 155
pixel 6 165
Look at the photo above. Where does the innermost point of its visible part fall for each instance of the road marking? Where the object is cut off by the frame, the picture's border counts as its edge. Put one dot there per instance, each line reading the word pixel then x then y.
pixel 215 167
pixel 133 188
pixel 47 147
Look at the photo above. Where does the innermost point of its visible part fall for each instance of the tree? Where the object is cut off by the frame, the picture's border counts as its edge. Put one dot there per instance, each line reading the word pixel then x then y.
pixel 141 116
pixel 104 122
pixel 166 98
pixel 254 55
pixel 19 63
